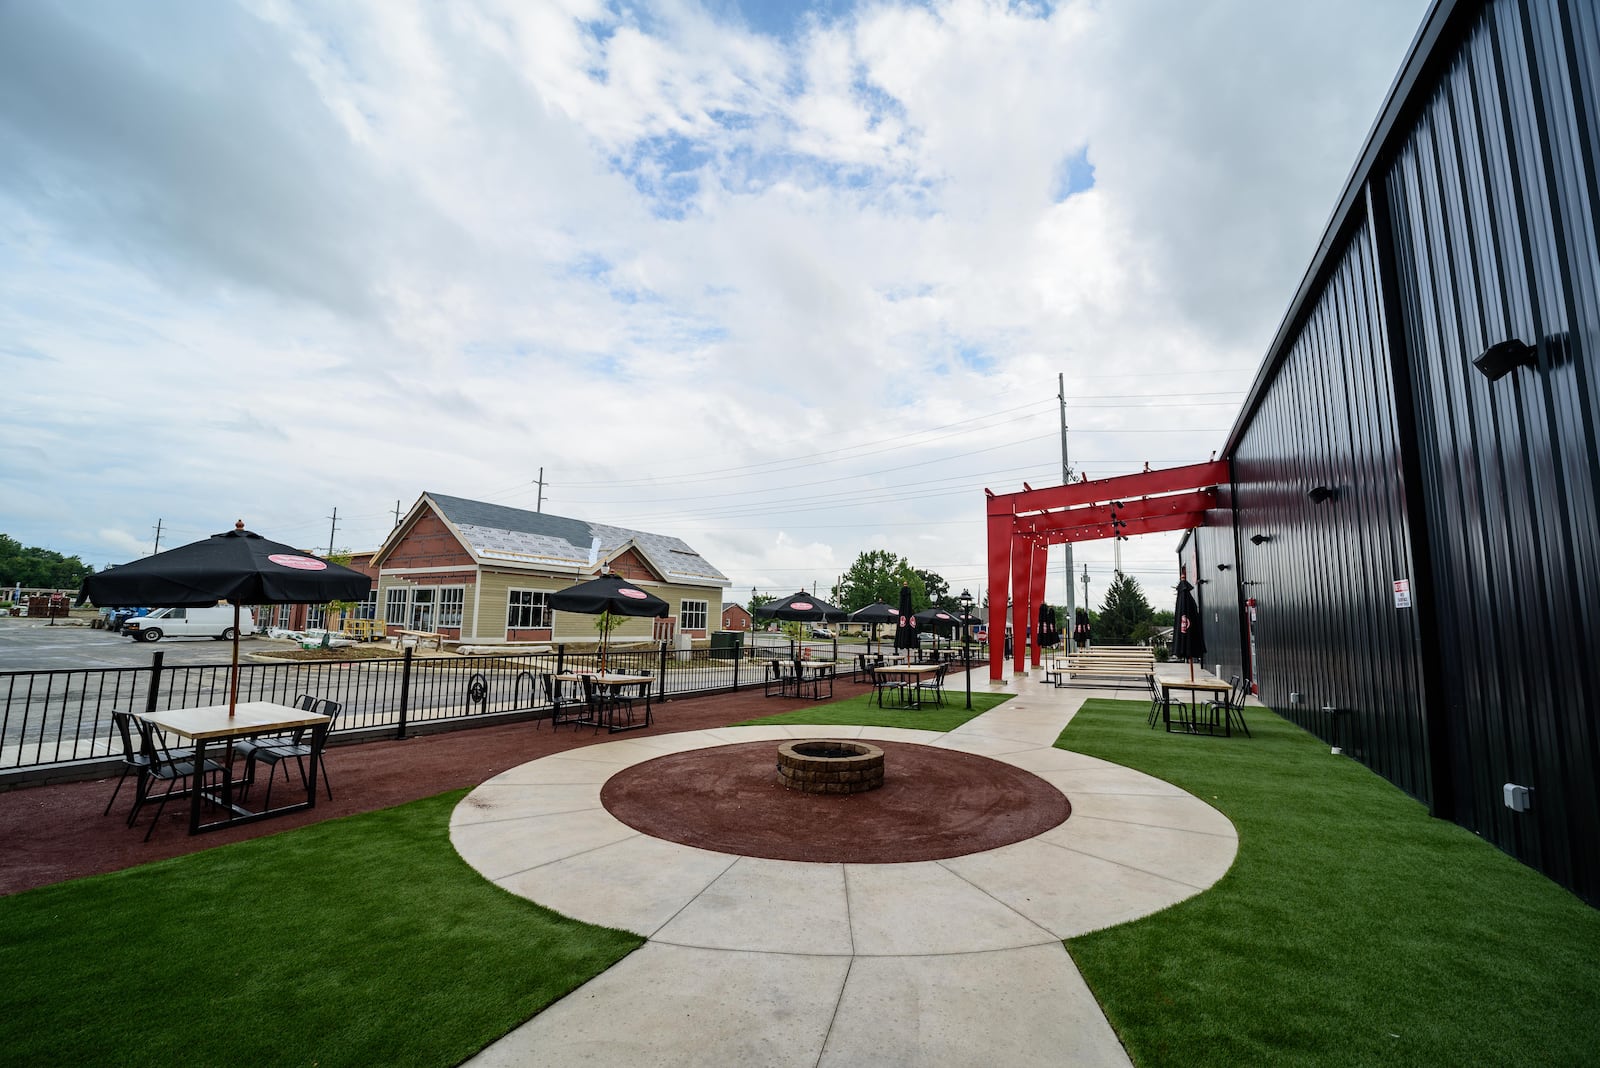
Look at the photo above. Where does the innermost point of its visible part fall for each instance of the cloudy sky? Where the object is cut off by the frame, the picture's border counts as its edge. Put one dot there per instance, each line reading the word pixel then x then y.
pixel 789 282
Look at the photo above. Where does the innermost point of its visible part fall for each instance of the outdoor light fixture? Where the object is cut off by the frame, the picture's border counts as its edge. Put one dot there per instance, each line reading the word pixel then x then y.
pixel 1222 567
pixel 1501 358
pixel 1319 494
pixel 1260 539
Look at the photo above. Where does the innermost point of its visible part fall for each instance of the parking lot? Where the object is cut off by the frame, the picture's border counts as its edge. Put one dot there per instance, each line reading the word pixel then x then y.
pixel 33 645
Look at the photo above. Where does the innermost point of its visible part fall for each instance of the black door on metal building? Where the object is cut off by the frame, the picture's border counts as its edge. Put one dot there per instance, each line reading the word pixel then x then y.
pixel 1493 205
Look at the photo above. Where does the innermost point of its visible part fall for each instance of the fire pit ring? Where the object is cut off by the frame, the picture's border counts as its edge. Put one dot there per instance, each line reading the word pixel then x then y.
pixel 830 766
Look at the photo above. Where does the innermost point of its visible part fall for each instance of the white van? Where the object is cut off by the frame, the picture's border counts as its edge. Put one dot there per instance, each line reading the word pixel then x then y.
pixel 214 621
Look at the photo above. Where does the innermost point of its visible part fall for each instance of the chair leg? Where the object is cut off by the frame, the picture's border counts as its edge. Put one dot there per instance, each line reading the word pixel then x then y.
pixel 120 780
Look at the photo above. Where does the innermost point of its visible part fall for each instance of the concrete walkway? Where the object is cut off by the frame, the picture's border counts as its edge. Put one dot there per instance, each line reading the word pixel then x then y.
pixel 763 962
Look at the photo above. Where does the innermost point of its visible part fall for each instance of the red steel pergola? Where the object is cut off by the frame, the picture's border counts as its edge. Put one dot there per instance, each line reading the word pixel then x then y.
pixel 1023 526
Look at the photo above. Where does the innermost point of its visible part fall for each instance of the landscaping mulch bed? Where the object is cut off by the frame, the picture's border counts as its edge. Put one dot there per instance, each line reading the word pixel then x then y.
pixel 57 832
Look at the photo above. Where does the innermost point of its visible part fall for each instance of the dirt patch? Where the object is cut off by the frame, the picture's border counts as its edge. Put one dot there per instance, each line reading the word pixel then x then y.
pixel 934 803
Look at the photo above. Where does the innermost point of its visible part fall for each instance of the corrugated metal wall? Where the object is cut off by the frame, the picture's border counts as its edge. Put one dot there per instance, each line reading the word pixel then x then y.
pixel 1219 596
pixel 1471 219
pixel 1492 199
pixel 1328 634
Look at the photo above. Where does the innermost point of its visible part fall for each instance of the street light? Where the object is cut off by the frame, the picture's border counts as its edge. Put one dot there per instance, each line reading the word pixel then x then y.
pixel 965 601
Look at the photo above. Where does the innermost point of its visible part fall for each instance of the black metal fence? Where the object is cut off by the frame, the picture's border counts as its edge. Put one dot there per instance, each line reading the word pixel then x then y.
pixel 50 719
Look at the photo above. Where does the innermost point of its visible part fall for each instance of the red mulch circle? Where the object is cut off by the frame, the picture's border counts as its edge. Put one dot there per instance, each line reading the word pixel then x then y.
pixel 934 803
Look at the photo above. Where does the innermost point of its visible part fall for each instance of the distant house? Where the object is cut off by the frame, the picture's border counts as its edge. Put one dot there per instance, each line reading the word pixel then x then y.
pixel 319 616
pixel 734 617
pixel 483 573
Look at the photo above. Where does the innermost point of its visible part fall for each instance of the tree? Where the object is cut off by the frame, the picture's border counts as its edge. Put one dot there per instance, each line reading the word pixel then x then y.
pixel 877 575
pixel 1125 615
pixel 757 600
pixel 39 568
pixel 938 590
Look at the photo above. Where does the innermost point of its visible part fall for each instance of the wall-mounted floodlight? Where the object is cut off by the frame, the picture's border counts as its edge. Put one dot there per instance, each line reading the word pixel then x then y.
pixel 1319 494
pixel 1222 567
pixel 1260 539
pixel 1503 357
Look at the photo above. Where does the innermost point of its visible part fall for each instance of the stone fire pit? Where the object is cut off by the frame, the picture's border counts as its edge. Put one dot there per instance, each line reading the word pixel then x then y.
pixel 830 766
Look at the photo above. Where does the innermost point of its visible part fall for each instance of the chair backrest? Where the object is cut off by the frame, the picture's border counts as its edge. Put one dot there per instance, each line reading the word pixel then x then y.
pixel 589 693
pixel 123 721
pixel 1155 691
pixel 305 703
pixel 331 710
pixel 1238 693
pixel 548 681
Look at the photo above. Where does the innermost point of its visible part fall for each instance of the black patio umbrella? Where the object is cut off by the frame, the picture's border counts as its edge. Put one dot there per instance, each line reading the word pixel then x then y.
pixel 905 630
pixel 1081 631
pixel 1188 635
pixel 875 614
pixel 608 595
pixel 239 567
pixel 802 608
pixel 938 621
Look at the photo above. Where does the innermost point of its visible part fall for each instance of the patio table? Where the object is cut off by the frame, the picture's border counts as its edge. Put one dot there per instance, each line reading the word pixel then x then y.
pixel 1192 725
pixel 616 682
pixel 912 672
pixel 212 723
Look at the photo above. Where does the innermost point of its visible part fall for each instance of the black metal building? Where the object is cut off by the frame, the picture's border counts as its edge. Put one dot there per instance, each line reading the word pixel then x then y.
pixel 1415 507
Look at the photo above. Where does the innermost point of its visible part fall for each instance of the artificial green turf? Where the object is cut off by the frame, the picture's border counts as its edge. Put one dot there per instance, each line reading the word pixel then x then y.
pixel 864 710
pixel 358 941
pixel 1352 928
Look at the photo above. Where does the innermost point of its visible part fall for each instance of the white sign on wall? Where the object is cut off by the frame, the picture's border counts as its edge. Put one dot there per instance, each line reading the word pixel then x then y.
pixel 1402 593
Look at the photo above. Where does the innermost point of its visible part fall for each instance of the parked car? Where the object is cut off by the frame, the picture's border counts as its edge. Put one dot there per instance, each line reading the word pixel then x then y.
pixel 822 632
pixel 213 621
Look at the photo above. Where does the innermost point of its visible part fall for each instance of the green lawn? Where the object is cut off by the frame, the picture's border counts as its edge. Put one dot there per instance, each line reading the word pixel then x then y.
pixel 359 941
pixel 1352 929
pixel 863 710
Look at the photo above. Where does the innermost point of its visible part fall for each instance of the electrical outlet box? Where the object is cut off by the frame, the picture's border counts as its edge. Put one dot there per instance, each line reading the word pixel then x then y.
pixel 1294 697
pixel 1518 798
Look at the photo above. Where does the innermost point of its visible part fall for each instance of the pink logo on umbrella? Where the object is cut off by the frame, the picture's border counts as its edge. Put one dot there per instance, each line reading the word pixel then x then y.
pixel 299 563
pixel 801 606
pixel 637 595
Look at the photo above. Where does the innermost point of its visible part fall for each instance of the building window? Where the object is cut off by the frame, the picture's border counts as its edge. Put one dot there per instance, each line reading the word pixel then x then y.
pixel 692 614
pixel 528 610
pixel 316 616
pixel 367 607
pixel 397 609
pixel 452 599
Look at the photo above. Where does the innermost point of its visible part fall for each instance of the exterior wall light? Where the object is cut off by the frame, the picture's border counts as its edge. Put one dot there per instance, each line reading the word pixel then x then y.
pixel 1501 358
pixel 1260 539
pixel 1319 494
pixel 1222 567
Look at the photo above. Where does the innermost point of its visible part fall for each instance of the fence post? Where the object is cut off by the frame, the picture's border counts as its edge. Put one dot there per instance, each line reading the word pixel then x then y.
pixel 405 689
pixel 155 682
pixel 561 659
pixel 736 659
pixel 661 675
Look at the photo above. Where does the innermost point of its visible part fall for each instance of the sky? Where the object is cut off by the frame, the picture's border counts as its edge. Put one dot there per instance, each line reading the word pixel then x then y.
pixel 790 282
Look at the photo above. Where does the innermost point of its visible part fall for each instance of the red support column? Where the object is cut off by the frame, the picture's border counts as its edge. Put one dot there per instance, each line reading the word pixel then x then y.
pixel 1021 591
pixel 1041 558
pixel 999 589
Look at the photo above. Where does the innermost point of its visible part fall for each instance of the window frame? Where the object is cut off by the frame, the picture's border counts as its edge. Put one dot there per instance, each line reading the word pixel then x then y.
pixel 536 608
pixel 704 613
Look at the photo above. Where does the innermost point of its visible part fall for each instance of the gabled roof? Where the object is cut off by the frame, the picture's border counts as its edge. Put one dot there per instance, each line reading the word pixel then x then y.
pixel 495 533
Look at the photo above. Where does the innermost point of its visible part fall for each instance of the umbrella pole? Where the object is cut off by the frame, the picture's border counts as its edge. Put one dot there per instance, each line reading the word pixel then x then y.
pixel 233 684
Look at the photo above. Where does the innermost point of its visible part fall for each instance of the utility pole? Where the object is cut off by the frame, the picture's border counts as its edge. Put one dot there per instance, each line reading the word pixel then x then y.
pixel 1066 477
pixel 1086 586
pixel 331 529
pixel 539 507
pixel 158 538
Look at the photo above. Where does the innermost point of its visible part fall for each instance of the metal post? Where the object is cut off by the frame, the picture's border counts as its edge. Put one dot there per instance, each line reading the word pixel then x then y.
pixel 155 682
pixel 966 641
pixel 1066 477
pixel 405 689
pixel 661 676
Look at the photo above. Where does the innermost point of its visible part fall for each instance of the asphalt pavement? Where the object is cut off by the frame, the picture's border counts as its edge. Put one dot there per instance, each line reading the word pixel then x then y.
pixel 34 645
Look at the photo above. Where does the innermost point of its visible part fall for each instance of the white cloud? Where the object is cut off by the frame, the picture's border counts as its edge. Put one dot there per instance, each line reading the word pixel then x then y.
pixel 266 260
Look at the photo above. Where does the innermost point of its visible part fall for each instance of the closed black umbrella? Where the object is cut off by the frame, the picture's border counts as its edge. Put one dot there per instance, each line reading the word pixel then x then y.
pixel 1081 631
pixel 1049 634
pixel 905 630
pixel 1188 635
pixel 239 567
pixel 608 595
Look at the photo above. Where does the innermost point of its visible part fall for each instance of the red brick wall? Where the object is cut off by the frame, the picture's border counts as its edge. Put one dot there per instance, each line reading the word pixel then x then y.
pixel 429 543
pixel 631 566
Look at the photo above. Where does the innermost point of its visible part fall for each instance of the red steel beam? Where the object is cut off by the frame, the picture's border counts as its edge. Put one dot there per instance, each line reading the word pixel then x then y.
pixel 1102 531
pixel 1151 507
pixel 1120 488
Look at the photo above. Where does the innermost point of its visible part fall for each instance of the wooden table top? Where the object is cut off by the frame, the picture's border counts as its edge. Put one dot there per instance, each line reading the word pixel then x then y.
pixel 249 717
pixel 1213 685
pixel 910 669
pixel 609 680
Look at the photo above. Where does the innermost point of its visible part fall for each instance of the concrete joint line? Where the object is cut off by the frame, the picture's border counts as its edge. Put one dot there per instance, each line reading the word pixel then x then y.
pixel 696 897
pixel 1157 826
pixel 1135 867
pixel 568 856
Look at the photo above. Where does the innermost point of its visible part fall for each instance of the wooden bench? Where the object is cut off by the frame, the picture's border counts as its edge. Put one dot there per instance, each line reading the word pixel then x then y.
pixel 1115 662
pixel 420 636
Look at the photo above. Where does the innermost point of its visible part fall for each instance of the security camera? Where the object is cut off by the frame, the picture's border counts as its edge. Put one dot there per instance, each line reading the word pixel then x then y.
pixel 1500 359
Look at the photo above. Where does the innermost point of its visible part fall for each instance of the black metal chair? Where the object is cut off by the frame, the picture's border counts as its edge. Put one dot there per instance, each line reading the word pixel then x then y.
pixel 303 743
pixel 1231 707
pixel 134 759
pixel 1155 703
pixel 884 683
pixel 562 704
pixel 166 765
pixel 775 685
